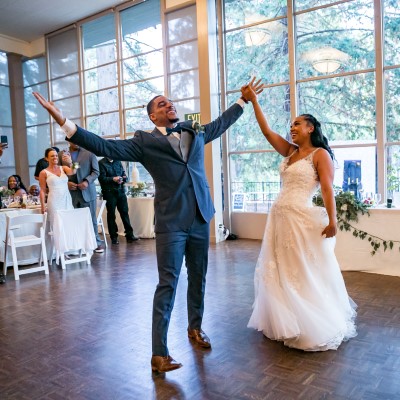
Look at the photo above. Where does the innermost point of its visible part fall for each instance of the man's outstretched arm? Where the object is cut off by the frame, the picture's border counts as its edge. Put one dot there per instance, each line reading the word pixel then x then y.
pixel 51 108
pixel 123 150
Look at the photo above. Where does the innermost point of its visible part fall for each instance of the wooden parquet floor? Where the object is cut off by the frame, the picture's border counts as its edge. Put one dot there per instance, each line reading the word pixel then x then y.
pixel 85 334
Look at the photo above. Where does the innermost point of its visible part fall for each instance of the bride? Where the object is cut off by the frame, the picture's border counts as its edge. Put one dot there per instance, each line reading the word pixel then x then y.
pixel 300 295
pixel 55 178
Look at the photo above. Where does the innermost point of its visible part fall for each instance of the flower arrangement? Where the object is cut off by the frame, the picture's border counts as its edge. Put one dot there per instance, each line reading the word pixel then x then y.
pixel 75 165
pixel 136 189
pixel 348 208
pixel 197 127
pixel 5 191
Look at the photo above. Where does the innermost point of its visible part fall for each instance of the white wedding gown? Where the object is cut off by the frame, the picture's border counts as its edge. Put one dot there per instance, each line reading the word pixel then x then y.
pixel 58 197
pixel 300 295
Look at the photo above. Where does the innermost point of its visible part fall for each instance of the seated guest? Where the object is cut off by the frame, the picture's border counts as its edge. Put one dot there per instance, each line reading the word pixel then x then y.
pixel 15 184
pixel 43 164
pixel 34 190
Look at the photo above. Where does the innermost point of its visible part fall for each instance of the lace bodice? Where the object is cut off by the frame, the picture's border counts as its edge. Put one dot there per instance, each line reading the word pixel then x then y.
pixel 299 181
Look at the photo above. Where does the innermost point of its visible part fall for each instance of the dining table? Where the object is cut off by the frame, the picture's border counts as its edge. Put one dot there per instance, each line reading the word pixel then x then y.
pixel 26 255
pixel 355 254
pixel 141 215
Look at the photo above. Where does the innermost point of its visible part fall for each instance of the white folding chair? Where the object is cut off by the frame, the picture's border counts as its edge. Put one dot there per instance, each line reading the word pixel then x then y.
pixel 73 231
pixel 100 224
pixel 14 241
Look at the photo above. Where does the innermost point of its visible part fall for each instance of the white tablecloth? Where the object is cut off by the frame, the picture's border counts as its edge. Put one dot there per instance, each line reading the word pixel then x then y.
pixel 73 230
pixel 26 255
pixel 141 215
pixel 354 254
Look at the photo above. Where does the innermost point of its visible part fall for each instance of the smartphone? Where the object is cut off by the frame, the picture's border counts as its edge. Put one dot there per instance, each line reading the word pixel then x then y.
pixel 4 140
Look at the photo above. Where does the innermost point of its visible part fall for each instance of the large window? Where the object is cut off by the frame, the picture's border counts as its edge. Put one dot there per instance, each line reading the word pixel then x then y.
pixel 182 60
pixel 392 92
pixel 142 66
pixel 7 165
pixel 64 79
pixel 142 62
pixel 257 44
pixel 37 118
pixel 101 97
pixel 332 48
pixel 333 55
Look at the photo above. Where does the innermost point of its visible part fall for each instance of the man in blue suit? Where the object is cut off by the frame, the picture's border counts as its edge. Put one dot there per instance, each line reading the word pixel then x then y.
pixel 183 206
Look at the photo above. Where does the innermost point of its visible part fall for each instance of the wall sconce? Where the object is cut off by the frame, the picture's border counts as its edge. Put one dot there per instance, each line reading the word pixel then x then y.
pixel 325 60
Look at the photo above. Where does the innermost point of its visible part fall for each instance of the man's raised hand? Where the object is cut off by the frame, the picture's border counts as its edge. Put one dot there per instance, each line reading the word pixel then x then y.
pixel 257 87
pixel 252 89
pixel 51 108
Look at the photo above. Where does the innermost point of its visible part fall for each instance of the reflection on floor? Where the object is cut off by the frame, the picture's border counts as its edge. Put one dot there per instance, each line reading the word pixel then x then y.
pixel 84 333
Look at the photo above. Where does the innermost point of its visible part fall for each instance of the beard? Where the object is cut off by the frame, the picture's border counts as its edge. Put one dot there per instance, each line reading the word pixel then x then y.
pixel 174 120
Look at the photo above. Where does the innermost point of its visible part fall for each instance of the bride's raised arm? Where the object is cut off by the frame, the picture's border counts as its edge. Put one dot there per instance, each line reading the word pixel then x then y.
pixel 280 144
pixel 67 164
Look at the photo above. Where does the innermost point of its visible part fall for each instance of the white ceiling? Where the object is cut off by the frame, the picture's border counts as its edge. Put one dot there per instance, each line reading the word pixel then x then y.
pixel 29 20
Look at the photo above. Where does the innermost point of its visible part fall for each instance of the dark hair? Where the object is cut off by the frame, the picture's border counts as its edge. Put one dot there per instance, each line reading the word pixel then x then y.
pixel 150 104
pixel 47 151
pixel 56 149
pixel 317 137
pixel 18 179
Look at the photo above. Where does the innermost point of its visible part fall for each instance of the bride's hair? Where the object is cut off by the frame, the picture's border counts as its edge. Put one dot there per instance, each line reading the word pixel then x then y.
pixel 317 137
pixel 47 151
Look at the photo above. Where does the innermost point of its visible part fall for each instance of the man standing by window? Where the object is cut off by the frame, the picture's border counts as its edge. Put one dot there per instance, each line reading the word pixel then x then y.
pixel 112 178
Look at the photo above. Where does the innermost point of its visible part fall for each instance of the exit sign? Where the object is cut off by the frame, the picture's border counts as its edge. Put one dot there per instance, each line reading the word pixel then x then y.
pixel 193 117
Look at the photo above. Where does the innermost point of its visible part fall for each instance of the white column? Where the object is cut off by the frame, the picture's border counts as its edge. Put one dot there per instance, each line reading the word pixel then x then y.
pixel 209 107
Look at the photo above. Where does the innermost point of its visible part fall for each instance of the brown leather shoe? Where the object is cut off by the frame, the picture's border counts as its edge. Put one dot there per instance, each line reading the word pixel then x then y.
pixel 199 337
pixel 164 364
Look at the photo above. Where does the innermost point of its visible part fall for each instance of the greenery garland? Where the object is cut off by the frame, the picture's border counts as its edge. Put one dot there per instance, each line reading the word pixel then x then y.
pixel 348 208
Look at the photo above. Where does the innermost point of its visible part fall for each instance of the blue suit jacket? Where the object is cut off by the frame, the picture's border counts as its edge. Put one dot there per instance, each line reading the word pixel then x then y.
pixel 89 170
pixel 179 186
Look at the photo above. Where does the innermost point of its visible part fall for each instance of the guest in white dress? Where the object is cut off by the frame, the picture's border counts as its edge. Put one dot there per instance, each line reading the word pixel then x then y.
pixel 56 179
pixel 300 295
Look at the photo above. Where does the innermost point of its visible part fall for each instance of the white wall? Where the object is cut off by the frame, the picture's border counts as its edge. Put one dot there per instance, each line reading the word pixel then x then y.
pixel 12 45
pixel 248 225
pixel 175 3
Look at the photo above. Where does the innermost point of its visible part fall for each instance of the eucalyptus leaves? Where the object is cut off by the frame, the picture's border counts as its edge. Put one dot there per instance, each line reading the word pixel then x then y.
pixel 348 209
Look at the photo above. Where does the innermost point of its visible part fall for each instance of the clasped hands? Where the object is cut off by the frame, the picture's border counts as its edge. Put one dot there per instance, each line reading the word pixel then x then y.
pixel 75 186
pixel 252 90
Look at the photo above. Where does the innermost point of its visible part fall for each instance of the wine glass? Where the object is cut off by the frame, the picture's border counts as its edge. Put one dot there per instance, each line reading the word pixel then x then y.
pixel 6 201
pixel 377 198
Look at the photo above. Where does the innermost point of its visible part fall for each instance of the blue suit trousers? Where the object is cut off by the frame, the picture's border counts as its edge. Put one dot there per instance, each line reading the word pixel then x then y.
pixel 171 247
